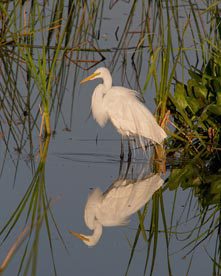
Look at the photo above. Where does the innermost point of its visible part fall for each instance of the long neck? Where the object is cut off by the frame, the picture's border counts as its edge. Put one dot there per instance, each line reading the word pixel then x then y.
pixel 97 105
pixel 94 238
pixel 107 81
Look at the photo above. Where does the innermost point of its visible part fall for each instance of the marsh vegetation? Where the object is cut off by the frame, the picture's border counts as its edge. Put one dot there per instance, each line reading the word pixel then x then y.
pixel 169 51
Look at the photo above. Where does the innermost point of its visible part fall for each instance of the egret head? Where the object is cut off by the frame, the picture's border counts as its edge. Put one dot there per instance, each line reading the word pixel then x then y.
pixel 88 240
pixel 101 72
pixel 82 237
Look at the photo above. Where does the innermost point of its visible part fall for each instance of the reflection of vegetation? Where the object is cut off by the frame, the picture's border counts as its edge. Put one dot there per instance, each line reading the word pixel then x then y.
pixel 150 237
pixel 201 218
pixel 34 206
pixel 44 44
pixel 203 178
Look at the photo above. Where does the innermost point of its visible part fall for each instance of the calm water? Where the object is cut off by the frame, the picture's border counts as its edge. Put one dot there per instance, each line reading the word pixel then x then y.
pixel 82 156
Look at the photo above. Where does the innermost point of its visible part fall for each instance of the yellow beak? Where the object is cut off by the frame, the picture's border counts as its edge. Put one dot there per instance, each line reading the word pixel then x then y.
pixel 89 77
pixel 79 236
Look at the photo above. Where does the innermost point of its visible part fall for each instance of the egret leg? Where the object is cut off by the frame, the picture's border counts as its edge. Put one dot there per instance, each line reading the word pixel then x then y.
pixel 134 146
pixel 121 166
pixel 129 151
pixel 128 167
pixel 160 159
pixel 121 150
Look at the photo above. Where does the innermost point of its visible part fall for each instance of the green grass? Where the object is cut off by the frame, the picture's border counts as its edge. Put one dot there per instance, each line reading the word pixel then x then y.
pixel 47 46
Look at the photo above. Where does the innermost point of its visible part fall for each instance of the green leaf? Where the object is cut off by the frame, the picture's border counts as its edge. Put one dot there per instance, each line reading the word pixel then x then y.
pixel 194 104
pixel 195 76
pixel 180 97
pixel 218 97
pixel 196 89
pixel 215 109
pixel 174 180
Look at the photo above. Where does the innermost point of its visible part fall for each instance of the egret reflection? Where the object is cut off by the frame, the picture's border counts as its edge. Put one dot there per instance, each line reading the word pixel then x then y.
pixel 115 206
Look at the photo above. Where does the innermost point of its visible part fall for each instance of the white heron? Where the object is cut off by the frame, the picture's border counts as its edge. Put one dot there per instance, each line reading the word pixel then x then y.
pixel 123 107
pixel 116 205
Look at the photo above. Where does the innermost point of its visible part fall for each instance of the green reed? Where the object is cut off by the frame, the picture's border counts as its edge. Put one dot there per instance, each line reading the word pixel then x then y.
pixel 43 47
pixel 35 209
pixel 192 137
pixel 46 49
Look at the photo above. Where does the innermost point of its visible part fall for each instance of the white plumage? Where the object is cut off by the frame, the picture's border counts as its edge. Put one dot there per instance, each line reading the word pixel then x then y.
pixel 116 205
pixel 124 109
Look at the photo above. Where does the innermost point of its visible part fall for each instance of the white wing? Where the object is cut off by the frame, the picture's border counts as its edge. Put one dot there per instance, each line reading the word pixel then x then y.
pixel 119 203
pixel 138 95
pixel 130 116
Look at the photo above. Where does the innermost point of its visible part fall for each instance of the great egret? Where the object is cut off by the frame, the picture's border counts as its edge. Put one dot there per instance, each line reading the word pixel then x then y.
pixel 123 107
pixel 116 205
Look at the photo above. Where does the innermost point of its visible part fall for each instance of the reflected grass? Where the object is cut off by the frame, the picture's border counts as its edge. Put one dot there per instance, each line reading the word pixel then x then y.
pixel 43 53
pixel 150 236
pixel 35 210
pixel 194 226
pixel 193 145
